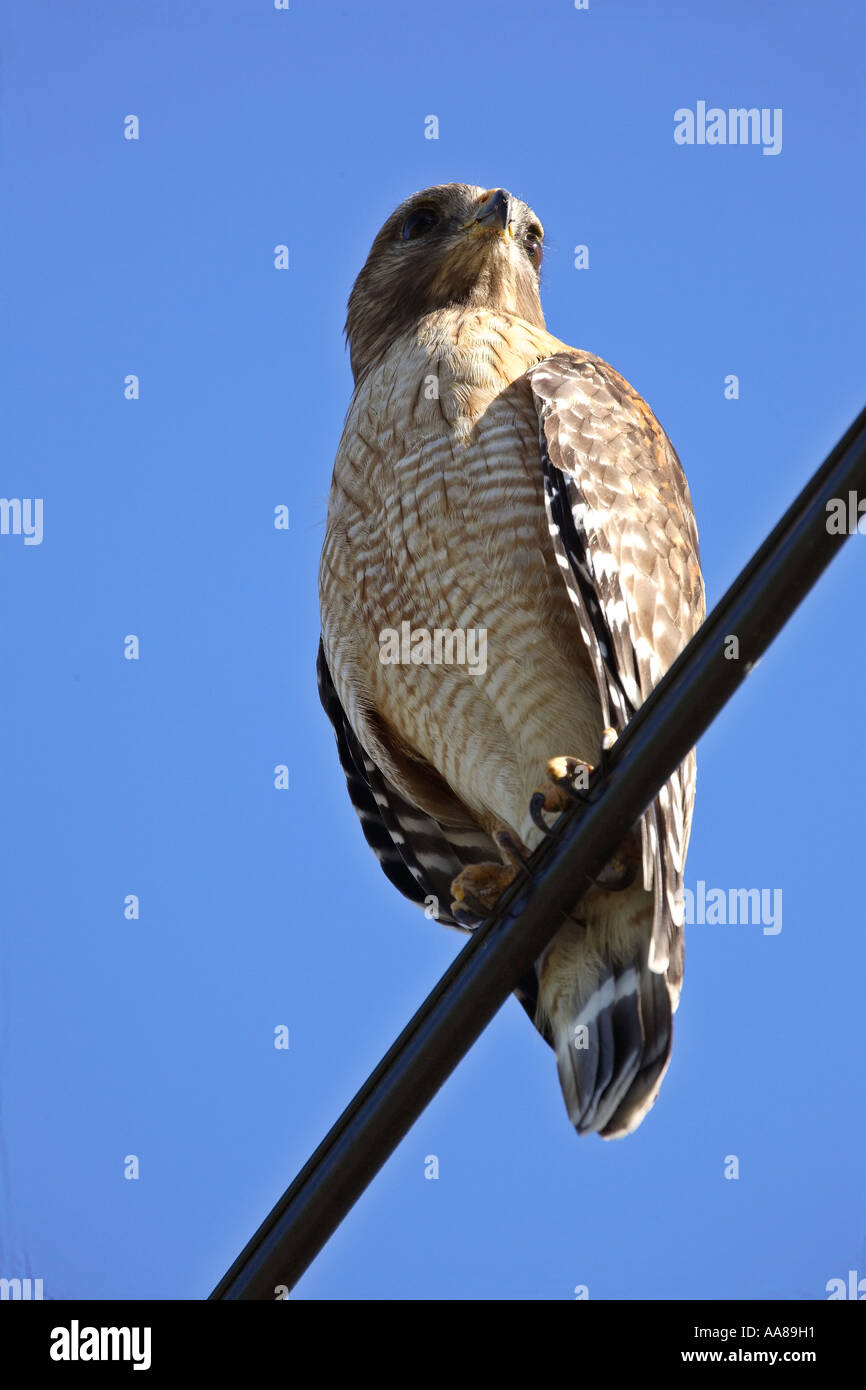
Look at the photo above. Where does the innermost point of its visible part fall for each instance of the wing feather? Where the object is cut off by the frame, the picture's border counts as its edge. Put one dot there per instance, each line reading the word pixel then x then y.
pixel 624 533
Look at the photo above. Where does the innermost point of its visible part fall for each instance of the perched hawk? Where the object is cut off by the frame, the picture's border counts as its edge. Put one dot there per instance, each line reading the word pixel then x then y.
pixel 510 565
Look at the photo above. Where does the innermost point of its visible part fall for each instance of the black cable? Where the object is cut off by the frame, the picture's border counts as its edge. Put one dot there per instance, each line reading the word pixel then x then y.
pixel 662 732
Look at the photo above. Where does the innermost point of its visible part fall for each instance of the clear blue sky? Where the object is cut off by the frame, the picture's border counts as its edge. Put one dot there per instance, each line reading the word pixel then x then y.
pixel 155 777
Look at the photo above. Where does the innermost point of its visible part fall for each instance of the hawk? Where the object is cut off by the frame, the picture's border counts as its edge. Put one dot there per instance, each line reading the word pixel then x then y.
pixel 510 565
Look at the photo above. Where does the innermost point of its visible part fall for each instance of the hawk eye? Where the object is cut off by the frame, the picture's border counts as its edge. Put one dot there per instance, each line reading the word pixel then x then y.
pixel 419 223
pixel 532 242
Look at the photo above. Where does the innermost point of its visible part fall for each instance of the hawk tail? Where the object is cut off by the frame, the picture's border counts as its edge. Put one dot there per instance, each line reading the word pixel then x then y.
pixel 611 1032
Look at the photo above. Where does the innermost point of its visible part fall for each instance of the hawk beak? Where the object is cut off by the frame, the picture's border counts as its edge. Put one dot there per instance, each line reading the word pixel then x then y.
pixel 494 213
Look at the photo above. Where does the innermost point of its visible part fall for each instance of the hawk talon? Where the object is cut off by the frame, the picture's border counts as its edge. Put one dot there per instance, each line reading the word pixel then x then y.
pixel 562 772
pixel 536 811
pixel 555 794
pixel 480 886
pixel 558 791
pixel 475 905
pixel 608 739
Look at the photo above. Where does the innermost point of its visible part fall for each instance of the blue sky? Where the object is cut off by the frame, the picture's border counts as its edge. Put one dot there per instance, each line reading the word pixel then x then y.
pixel 155 777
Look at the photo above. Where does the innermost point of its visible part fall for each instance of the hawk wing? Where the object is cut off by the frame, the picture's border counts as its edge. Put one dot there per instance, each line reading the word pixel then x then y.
pixel 625 539
pixel 418 855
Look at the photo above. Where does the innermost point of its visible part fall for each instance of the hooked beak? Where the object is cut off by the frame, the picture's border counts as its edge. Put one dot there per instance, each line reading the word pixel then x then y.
pixel 494 213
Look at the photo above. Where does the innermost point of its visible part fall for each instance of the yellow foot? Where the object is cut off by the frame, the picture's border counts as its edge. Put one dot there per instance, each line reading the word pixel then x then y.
pixel 565 780
pixel 480 886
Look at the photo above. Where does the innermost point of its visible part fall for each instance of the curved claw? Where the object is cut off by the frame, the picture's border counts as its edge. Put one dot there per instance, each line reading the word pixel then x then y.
pixel 480 886
pixel 475 908
pixel 608 739
pixel 567 780
pixel 536 811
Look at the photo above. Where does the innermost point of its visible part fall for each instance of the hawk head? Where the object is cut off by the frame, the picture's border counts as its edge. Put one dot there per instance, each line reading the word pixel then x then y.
pixel 452 244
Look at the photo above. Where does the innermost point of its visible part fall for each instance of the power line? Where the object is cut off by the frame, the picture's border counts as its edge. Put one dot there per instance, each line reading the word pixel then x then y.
pixel 664 729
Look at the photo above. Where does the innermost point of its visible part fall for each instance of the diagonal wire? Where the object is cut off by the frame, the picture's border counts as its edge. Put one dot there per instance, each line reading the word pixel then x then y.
pixel 664 729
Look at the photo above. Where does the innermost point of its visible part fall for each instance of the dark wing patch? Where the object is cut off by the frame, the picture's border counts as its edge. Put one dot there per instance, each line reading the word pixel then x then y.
pixel 414 850
pixel 354 763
